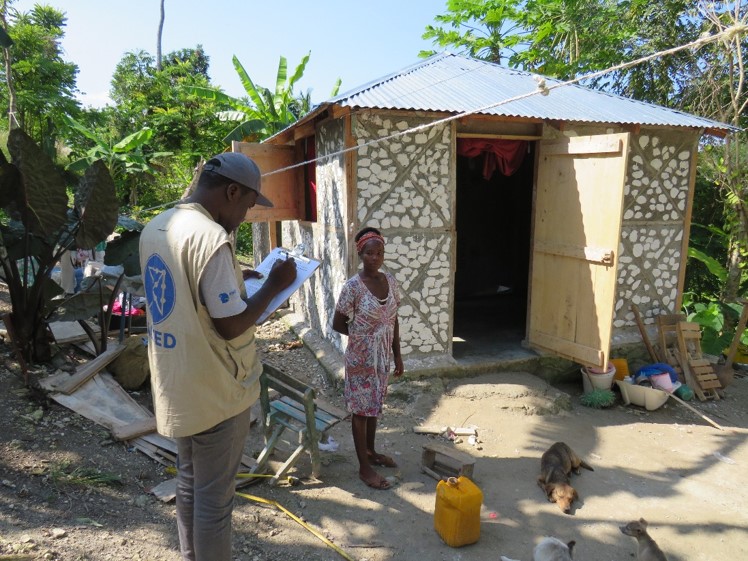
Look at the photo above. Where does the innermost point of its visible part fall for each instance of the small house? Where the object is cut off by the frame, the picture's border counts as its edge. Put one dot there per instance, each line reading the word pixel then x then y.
pixel 518 215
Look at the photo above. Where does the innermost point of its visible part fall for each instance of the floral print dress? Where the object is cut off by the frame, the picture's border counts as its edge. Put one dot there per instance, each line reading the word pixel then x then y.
pixel 371 329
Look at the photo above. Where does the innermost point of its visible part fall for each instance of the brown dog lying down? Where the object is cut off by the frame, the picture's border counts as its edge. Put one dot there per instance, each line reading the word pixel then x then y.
pixel 556 465
pixel 648 550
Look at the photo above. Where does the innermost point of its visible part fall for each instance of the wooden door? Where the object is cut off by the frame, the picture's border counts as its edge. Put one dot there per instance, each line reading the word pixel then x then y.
pixel 578 209
pixel 283 189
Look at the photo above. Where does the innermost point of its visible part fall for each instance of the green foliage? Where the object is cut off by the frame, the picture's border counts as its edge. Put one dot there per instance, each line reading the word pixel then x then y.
pixel 716 334
pixel 182 123
pixel 264 113
pixel 125 159
pixel 244 241
pixel 487 30
pixel 559 38
pixel 65 473
pixel 38 226
pixel 570 38
pixel 658 26
pixel 713 266
pixel 125 251
pixel 44 83
pixel 566 39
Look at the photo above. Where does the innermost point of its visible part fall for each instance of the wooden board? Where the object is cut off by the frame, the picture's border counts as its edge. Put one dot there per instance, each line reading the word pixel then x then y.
pixel 66 383
pixel 441 461
pixel 102 400
pixel 134 429
pixel 66 332
pixel 283 189
pixel 699 372
pixel 577 229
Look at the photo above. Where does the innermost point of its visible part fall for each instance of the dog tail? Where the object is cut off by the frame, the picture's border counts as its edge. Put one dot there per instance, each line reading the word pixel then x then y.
pixel 585 465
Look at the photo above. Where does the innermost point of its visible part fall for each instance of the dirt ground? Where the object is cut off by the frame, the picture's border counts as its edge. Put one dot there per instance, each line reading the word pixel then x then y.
pixel 669 466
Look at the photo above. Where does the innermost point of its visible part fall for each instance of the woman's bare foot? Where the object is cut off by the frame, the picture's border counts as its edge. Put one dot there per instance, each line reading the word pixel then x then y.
pixel 382 460
pixel 373 479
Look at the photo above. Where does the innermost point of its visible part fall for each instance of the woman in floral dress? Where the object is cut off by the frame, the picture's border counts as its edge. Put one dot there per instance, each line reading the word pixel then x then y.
pixel 367 313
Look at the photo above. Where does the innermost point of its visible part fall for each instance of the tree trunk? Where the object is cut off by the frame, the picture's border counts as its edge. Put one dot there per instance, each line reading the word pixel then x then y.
pixel 12 107
pixel 734 271
pixel 160 33
pixel 734 162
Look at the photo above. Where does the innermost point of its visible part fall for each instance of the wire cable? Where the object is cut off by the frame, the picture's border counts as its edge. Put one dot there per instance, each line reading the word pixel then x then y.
pixel 295 518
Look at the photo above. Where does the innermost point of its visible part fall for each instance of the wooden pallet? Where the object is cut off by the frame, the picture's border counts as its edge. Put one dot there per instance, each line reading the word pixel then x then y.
pixel 669 346
pixel 698 371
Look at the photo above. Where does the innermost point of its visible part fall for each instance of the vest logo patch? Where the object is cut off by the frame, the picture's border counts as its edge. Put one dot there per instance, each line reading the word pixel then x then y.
pixel 160 293
pixel 223 297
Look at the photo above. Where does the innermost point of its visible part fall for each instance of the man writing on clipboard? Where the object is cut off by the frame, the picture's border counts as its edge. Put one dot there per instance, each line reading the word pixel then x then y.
pixel 204 367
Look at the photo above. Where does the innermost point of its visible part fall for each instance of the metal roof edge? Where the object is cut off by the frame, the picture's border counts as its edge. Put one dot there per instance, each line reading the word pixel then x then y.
pixel 371 83
pixel 321 108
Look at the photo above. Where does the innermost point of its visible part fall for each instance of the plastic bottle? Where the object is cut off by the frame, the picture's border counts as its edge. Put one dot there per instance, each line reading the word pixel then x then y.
pixel 457 511
pixel 622 367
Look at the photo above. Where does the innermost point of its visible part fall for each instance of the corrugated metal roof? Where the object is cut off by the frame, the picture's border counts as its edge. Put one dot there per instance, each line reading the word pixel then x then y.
pixel 455 84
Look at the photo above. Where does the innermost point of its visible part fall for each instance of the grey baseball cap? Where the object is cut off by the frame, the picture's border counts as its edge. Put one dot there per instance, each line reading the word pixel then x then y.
pixel 240 168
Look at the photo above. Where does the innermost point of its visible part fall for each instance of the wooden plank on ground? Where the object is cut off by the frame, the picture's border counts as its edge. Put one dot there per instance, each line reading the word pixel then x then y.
pixel 67 384
pixel 66 332
pixel 86 347
pixel 459 455
pixel 135 429
pixel 165 491
pixel 103 401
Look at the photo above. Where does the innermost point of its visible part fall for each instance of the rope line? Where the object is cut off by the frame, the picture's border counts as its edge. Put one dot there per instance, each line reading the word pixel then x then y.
pixel 542 89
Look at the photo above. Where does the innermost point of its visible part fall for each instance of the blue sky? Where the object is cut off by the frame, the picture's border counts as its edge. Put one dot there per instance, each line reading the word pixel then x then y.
pixel 357 41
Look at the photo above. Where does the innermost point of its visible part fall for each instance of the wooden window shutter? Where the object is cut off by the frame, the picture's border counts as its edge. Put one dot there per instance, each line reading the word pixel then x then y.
pixel 283 189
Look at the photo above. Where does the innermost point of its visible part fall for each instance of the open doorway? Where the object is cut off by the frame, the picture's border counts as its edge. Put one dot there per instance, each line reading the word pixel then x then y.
pixel 493 220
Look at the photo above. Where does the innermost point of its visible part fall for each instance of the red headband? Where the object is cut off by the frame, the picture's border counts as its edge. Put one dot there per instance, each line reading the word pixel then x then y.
pixel 368 236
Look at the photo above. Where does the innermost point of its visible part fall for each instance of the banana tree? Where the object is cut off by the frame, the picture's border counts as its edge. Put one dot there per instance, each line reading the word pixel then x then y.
pixel 38 226
pixel 264 113
pixel 125 159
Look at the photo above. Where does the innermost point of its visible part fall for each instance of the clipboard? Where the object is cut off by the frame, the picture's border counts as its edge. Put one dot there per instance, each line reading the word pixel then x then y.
pixel 305 267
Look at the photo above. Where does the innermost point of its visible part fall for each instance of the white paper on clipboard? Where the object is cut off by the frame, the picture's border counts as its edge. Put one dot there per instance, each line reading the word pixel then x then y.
pixel 305 267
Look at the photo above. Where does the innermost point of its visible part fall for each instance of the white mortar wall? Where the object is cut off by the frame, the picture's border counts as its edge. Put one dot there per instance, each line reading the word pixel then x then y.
pixel 324 239
pixel 406 188
pixel 654 221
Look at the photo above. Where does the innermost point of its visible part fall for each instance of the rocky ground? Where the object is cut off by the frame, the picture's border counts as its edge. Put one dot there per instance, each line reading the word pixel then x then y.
pixel 69 492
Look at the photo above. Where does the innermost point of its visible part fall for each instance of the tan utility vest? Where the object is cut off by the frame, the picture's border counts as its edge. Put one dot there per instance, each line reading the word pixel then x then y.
pixel 198 378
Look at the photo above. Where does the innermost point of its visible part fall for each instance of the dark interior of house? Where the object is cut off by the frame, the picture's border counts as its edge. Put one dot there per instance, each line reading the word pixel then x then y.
pixel 493 255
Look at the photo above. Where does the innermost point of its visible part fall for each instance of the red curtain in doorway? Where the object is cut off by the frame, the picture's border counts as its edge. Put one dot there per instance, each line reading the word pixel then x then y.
pixel 504 155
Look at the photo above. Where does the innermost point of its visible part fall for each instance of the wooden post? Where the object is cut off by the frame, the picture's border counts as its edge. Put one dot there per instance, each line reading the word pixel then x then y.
pixel 643 331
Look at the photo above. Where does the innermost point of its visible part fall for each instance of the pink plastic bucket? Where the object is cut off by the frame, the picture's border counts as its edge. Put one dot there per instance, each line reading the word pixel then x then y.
pixel 662 382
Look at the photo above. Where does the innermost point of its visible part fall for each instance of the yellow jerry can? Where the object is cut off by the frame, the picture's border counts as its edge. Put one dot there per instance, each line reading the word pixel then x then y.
pixel 457 511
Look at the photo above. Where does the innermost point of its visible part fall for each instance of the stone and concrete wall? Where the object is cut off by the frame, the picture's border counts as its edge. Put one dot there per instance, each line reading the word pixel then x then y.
pixel 656 197
pixel 406 188
pixel 325 238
